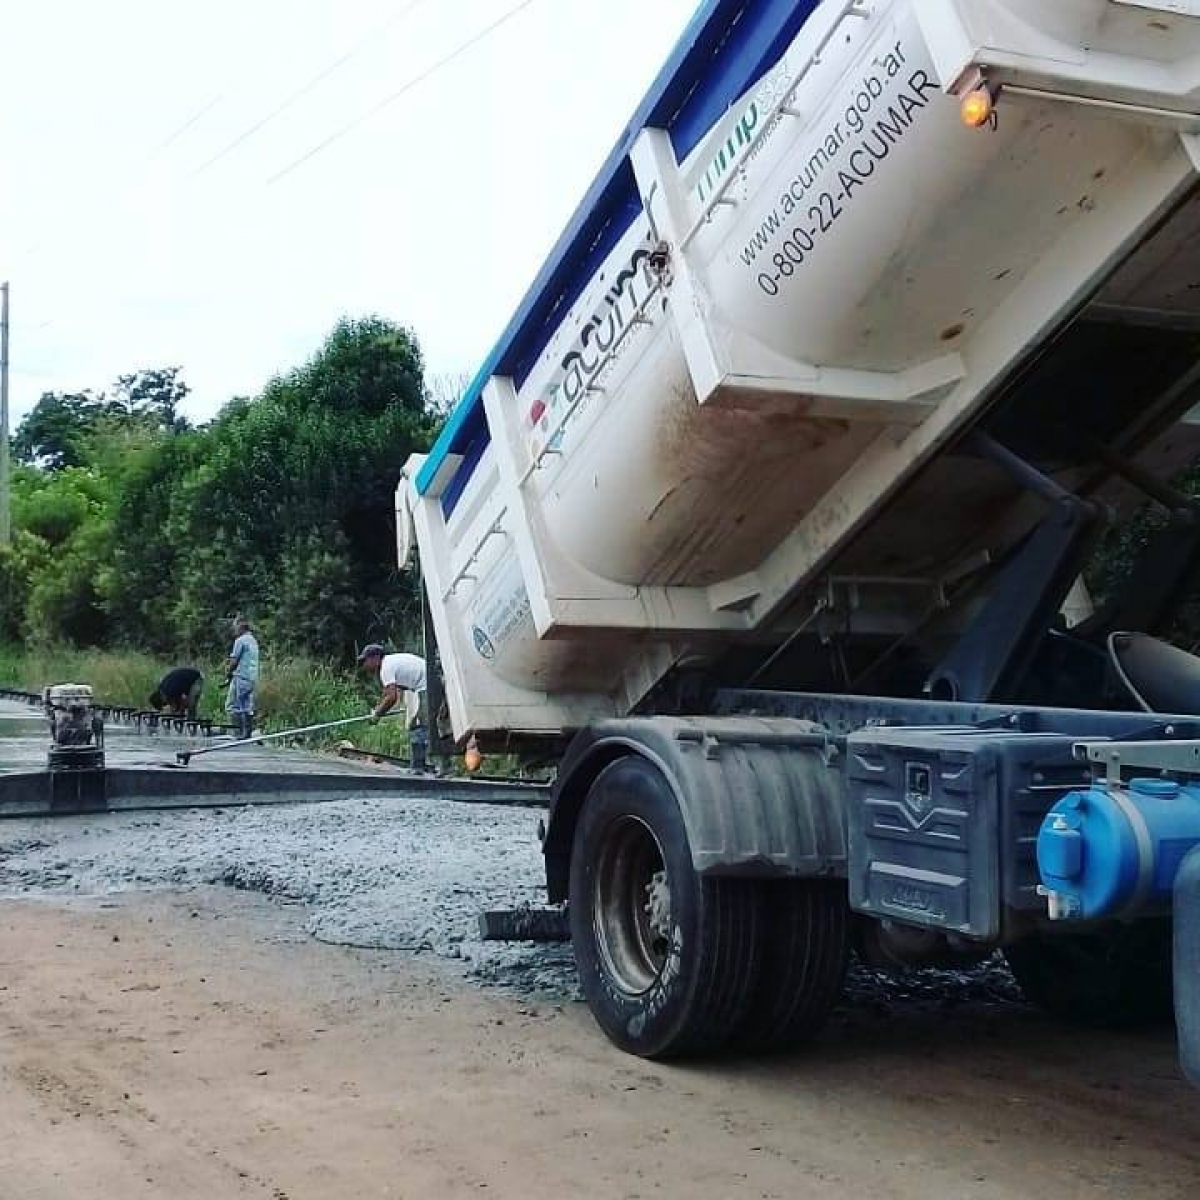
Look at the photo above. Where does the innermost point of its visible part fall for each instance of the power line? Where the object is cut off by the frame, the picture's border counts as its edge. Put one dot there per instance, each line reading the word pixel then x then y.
pixel 38 247
pixel 33 251
pixel 412 83
pixel 173 137
pixel 317 79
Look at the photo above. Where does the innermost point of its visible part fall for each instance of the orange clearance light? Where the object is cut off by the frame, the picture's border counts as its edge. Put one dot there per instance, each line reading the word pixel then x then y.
pixel 472 759
pixel 977 107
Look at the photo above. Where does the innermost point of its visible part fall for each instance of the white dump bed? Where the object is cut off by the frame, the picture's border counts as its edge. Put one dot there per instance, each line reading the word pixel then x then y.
pixel 737 379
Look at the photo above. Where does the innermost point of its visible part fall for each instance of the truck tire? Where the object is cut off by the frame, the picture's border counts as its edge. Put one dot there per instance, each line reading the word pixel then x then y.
pixel 667 959
pixel 1116 979
pixel 805 953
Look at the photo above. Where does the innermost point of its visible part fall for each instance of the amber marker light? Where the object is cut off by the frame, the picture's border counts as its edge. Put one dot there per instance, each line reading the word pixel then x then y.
pixel 471 756
pixel 977 107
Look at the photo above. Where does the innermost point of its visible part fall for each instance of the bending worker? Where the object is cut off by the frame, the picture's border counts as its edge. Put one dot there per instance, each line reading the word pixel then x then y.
pixel 401 673
pixel 179 690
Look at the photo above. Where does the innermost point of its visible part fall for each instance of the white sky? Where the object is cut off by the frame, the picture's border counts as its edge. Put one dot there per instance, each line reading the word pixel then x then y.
pixel 128 245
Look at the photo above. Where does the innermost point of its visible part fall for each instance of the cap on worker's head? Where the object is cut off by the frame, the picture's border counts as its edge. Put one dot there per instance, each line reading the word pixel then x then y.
pixel 372 650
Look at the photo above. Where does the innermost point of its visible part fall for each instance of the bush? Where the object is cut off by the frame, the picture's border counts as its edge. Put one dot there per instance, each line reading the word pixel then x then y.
pixel 281 507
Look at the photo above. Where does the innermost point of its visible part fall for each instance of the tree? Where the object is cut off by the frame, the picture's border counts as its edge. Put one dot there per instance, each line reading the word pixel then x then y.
pixel 22 561
pixel 54 432
pixel 153 396
pixel 53 505
pixel 446 390
pixel 281 506
pixel 66 599
pixel 366 366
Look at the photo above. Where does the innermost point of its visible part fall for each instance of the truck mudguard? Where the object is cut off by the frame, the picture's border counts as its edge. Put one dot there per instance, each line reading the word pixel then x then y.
pixel 757 795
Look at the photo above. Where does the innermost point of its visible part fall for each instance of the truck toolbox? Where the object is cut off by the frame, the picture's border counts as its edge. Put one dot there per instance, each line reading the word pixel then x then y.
pixel 943 822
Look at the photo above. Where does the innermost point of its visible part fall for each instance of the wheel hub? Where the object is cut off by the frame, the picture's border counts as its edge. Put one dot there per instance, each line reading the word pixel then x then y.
pixel 658 906
pixel 631 909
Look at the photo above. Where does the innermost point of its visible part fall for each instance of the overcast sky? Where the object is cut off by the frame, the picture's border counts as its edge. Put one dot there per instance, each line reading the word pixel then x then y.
pixel 154 210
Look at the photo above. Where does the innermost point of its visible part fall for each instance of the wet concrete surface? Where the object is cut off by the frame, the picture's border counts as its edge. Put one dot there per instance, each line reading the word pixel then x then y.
pixel 381 870
pixel 386 873
pixel 24 740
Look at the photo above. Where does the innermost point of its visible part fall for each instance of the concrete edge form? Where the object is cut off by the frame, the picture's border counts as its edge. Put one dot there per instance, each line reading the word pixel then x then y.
pixel 129 789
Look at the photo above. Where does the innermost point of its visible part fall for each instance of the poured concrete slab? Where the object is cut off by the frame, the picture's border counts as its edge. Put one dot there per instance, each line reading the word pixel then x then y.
pixel 116 789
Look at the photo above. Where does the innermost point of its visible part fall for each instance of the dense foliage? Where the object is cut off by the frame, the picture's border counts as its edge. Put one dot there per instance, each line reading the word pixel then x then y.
pixel 132 528
pixel 1117 562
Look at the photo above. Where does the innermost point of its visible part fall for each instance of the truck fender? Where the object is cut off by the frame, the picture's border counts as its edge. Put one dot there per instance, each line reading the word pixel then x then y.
pixel 760 797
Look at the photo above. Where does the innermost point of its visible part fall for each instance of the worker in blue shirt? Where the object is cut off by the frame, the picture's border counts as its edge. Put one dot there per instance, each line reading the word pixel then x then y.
pixel 242 672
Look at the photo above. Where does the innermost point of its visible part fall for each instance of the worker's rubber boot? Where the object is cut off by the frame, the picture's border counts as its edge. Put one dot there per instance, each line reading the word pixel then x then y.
pixel 418 747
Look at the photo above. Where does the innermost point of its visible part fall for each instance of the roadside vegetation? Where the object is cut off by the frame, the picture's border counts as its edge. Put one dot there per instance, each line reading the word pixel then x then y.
pixel 293 692
pixel 137 536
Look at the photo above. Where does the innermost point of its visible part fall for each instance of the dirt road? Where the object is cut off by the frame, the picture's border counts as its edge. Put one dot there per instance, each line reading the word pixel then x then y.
pixel 200 1044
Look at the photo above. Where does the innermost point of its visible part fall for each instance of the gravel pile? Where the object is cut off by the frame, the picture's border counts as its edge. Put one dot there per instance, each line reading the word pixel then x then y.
pixel 383 874
pixel 379 873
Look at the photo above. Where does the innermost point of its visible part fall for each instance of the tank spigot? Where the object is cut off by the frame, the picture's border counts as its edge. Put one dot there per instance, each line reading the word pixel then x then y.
pixel 1059 905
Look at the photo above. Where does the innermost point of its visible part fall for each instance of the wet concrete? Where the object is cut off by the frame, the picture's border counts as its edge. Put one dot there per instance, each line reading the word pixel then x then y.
pixel 389 873
pixel 384 861
pixel 24 740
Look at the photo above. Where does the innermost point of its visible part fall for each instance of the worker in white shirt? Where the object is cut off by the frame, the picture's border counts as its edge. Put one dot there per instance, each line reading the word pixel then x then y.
pixel 401 673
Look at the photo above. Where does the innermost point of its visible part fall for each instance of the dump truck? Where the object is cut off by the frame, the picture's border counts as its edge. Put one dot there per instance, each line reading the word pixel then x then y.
pixel 768 517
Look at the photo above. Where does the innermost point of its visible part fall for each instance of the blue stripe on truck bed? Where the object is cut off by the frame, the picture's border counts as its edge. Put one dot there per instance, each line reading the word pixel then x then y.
pixel 727 47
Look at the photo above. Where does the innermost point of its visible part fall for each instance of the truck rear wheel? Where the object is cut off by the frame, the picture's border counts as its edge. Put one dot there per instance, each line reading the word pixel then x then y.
pixel 667 959
pixel 1119 978
pixel 806 949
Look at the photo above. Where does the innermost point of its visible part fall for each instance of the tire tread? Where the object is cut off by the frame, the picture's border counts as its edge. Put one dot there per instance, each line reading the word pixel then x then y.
pixel 805 953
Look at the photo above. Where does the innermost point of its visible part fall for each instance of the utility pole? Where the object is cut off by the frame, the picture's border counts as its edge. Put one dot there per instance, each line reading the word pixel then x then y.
pixel 5 521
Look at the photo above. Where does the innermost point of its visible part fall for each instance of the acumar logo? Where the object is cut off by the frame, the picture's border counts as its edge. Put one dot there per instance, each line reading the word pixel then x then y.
pixel 634 285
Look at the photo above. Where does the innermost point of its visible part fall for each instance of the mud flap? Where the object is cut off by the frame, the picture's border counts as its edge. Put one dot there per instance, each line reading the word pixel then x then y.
pixel 1187 964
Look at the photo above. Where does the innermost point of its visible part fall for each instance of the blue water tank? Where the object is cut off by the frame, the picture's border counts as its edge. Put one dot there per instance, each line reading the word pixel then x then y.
pixel 1115 852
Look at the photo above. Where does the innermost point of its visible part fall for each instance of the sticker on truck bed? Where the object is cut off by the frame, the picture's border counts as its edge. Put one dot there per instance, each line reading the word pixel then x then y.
pixel 745 129
pixel 602 340
pixel 501 610
pixel 837 164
